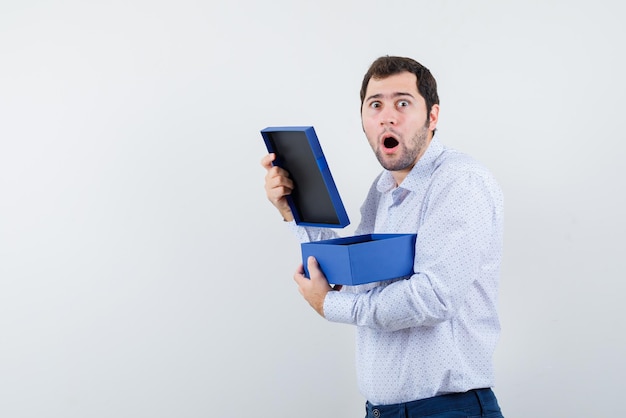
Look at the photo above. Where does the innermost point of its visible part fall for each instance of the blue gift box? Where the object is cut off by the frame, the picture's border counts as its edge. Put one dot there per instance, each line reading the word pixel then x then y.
pixel 315 201
pixel 362 258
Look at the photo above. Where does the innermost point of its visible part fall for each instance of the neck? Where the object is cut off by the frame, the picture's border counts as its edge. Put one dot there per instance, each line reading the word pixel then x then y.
pixel 400 175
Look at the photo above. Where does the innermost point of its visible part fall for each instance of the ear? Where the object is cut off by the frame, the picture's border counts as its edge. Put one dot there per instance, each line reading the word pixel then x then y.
pixel 433 118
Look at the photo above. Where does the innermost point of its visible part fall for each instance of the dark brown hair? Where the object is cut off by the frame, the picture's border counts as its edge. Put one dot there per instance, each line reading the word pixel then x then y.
pixel 387 66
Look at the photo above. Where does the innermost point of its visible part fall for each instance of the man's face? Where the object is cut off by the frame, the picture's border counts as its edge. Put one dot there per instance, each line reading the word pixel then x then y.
pixel 395 121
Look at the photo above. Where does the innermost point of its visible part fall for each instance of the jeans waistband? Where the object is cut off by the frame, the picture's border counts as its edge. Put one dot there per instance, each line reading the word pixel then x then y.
pixel 476 401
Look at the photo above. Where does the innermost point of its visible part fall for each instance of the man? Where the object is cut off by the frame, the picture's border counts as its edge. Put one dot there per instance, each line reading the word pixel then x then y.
pixel 424 343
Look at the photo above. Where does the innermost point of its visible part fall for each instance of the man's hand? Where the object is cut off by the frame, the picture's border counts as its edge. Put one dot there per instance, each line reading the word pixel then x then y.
pixel 314 289
pixel 277 186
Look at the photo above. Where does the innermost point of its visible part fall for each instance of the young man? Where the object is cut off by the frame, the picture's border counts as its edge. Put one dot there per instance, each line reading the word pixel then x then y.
pixel 424 343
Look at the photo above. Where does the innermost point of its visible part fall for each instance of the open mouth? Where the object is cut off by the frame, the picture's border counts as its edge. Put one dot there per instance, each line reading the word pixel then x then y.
pixel 390 142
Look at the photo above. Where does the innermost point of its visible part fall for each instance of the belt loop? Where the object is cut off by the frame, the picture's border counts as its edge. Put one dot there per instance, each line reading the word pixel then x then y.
pixel 481 401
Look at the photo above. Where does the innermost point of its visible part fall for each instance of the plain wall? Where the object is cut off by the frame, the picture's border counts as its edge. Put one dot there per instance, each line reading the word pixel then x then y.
pixel 143 272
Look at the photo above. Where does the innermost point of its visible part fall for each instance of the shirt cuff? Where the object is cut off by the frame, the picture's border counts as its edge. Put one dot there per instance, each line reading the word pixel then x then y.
pixel 338 307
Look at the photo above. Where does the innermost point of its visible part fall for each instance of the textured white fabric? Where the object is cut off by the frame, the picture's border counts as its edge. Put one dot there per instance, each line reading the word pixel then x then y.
pixel 434 332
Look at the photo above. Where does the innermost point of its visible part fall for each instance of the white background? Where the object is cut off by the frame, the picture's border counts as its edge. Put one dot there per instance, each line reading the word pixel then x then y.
pixel 143 272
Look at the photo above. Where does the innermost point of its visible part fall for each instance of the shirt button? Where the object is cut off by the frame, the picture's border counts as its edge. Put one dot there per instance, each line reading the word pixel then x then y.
pixel 376 413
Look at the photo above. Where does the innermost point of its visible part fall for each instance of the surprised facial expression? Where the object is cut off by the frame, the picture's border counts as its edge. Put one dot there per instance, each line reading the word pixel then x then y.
pixel 396 123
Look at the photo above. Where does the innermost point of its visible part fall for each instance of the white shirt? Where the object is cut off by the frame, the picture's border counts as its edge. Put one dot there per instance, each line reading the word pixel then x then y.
pixel 436 331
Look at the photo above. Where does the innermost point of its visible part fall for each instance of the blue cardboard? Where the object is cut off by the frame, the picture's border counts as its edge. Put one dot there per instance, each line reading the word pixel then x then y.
pixel 314 200
pixel 363 259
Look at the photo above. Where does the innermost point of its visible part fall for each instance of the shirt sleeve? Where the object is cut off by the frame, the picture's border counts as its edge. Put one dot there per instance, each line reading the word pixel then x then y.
pixel 310 233
pixel 459 237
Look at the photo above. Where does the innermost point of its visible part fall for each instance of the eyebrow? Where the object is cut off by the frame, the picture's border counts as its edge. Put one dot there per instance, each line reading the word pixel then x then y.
pixel 393 95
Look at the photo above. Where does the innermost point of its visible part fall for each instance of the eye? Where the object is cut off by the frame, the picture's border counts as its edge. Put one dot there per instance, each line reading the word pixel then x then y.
pixel 375 105
pixel 403 103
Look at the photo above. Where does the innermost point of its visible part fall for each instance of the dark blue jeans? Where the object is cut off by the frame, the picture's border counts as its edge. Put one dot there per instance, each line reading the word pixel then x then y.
pixel 473 404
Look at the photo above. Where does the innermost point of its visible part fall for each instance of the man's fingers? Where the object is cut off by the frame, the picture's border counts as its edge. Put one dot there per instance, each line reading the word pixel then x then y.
pixel 274 179
pixel 314 289
pixel 276 194
pixel 277 185
pixel 300 270
pixel 266 161
pixel 299 278
pixel 275 171
pixel 277 176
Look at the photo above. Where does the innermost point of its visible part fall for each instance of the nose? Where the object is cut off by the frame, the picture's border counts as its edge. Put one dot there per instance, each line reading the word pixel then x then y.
pixel 388 117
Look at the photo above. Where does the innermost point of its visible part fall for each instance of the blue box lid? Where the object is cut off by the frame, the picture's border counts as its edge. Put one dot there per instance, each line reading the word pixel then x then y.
pixel 314 200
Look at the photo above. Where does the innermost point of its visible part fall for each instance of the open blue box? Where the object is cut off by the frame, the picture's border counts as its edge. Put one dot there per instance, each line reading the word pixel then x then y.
pixel 315 201
pixel 362 258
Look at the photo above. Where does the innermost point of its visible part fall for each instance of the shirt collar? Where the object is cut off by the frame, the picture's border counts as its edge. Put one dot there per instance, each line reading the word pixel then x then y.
pixel 423 167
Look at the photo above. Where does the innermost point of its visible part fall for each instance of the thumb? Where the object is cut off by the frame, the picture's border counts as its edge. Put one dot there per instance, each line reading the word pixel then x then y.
pixel 315 271
pixel 313 266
